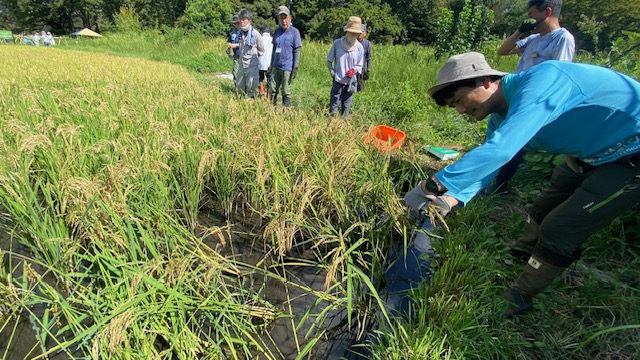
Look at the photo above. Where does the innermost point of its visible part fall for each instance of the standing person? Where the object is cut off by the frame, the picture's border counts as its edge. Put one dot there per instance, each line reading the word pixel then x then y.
pixel 265 59
pixel 52 41
pixel 368 52
pixel 45 39
pixel 588 112
pixel 345 59
pixel 551 42
pixel 251 47
pixel 233 44
pixel 286 57
pixel 36 38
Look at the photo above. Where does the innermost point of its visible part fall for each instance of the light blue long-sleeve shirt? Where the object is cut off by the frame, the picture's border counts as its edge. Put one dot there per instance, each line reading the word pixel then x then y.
pixel 585 111
pixel 341 60
pixel 556 45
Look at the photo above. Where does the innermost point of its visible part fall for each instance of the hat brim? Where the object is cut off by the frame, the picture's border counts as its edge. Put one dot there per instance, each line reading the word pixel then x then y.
pixel 353 30
pixel 437 87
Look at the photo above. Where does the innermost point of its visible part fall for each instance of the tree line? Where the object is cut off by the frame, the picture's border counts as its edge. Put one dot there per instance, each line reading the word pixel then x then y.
pixel 594 23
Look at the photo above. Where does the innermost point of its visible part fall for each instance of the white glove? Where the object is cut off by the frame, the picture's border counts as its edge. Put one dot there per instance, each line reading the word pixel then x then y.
pixel 417 199
pixel 441 204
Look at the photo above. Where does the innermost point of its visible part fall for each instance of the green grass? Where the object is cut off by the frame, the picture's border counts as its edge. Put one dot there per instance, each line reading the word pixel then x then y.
pixel 109 164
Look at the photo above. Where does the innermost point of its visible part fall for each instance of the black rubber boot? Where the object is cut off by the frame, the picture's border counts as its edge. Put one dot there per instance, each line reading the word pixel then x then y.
pixel 286 101
pixel 537 275
pixel 523 247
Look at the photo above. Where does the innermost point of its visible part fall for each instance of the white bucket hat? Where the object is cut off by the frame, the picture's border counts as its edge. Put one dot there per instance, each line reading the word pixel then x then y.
pixel 460 67
pixel 354 25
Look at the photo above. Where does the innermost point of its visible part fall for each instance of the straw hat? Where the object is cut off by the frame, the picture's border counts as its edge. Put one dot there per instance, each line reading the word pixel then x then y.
pixel 354 25
pixel 460 67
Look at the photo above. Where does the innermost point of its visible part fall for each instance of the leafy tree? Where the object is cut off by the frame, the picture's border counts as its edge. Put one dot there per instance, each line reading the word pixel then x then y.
pixel 210 17
pixel 615 15
pixel 382 25
pixel 127 20
pixel 419 19
pixel 464 31
pixel 508 15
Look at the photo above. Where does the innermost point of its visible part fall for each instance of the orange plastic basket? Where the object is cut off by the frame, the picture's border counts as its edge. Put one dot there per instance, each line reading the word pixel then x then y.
pixel 384 138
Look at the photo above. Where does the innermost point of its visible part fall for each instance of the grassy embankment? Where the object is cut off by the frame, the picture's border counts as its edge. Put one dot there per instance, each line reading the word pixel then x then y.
pixel 109 164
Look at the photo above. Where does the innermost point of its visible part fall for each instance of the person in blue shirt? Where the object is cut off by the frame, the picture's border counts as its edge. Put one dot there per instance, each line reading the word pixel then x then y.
pixel 550 41
pixel 233 44
pixel 589 113
pixel 285 58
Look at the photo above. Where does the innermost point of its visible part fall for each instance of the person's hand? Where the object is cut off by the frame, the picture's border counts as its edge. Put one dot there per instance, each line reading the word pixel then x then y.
pixel 440 203
pixel 527 26
pixel 366 75
pixel 269 69
pixel 417 199
pixel 333 73
pixel 294 72
pixel 351 72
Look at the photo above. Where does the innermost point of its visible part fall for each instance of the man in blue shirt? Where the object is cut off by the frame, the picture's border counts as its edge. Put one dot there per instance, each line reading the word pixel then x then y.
pixel 233 44
pixel 285 58
pixel 589 113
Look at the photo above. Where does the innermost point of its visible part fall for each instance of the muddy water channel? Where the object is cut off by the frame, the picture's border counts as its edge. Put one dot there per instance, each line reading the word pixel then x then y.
pixel 308 318
pixel 20 332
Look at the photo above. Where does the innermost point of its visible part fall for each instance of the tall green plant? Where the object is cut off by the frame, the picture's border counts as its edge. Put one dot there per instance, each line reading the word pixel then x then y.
pixel 127 20
pixel 464 31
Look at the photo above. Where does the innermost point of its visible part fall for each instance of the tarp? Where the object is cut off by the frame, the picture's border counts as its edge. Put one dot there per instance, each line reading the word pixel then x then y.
pixel 86 32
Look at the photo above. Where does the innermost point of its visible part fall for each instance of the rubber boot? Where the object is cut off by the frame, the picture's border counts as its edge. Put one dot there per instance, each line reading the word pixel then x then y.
pixel 286 101
pixel 261 88
pixel 537 275
pixel 523 247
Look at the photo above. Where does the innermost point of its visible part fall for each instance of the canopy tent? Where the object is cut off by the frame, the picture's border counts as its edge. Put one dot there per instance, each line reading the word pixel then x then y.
pixel 86 32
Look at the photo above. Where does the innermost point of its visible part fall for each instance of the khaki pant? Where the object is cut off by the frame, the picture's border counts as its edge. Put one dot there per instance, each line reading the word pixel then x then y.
pixel 280 79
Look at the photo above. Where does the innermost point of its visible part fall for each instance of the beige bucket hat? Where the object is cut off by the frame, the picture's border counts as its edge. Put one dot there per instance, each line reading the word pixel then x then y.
pixel 460 67
pixel 354 25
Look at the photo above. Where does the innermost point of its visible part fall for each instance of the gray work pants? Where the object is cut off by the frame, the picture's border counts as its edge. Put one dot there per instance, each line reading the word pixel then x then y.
pixel 340 96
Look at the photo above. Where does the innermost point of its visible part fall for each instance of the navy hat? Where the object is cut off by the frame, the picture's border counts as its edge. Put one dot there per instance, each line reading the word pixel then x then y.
pixel 235 19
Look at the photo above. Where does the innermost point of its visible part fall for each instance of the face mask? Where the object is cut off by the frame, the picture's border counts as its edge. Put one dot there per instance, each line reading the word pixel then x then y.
pixel 246 28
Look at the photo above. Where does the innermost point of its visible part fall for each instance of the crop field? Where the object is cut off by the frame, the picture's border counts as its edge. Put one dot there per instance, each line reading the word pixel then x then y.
pixel 147 212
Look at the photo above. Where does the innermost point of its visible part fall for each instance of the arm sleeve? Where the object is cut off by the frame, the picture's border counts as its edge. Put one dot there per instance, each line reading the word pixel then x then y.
pixel 532 105
pixel 369 55
pixel 331 55
pixel 565 49
pixel 360 61
pixel 260 44
pixel 296 57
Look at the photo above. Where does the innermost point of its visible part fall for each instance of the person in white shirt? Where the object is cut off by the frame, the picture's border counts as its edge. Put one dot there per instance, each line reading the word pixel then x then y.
pixel 265 59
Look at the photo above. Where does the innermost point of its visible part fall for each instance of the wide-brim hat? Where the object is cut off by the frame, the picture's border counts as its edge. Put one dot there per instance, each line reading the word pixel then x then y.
pixel 354 25
pixel 460 67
